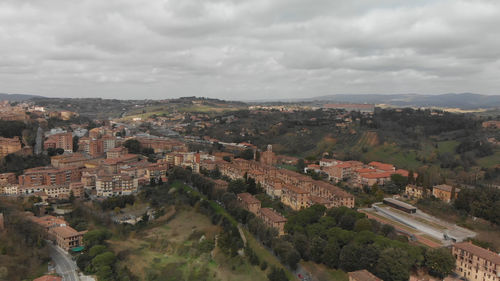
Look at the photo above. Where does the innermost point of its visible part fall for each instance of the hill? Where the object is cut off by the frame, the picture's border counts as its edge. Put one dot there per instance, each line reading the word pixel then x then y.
pixel 17 97
pixel 462 100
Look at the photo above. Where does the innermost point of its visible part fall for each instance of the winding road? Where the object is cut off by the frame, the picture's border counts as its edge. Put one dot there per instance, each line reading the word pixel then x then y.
pixel 64 265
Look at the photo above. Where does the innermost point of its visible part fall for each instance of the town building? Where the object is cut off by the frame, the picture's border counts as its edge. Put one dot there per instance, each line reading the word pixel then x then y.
pixel 9 145
pixel 362 275
pixel 445 192
pixel 475 263
pixel 62 140
pixel 273 219
pixel 66 237
pixel 248 202
pixel 8 178
pixel 414 191
pixel 268 157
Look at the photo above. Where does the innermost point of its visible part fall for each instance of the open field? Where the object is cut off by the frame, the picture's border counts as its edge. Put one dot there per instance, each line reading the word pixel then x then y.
pixel 323 273
pixel 172 247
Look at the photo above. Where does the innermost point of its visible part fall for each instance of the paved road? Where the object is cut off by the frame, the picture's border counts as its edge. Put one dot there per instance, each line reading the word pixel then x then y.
pixel 64 265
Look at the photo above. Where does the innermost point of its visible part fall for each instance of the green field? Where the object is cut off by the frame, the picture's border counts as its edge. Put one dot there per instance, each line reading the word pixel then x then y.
pixel 172 248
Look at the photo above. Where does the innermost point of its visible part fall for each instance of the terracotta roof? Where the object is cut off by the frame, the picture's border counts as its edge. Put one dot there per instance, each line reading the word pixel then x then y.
pixel 48 278
pixel 65 231
pixel 343 165
pixel 376 175
pixel 446 187
pixel 381 166
pixel 272 215
pixel 478 251
pixel 365 170
pixel 248 198
pixel 295 189
pixel 363 275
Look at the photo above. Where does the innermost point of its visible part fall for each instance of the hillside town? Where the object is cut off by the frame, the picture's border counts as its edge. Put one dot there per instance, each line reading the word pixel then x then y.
pixel 117 158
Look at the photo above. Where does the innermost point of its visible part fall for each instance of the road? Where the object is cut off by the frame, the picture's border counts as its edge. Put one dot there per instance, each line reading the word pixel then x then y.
pixel 64 265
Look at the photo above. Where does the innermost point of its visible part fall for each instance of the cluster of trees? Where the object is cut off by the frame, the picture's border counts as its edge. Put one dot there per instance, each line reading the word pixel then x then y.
pixel 98 259
pixel 134 147
pixel 117 201
pixel 483 202
pixel 10 129
pixel 346 239
pixel 22 248
pixel 17 163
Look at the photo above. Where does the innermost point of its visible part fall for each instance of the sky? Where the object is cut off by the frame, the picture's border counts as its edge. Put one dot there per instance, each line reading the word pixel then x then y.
pixel 256 49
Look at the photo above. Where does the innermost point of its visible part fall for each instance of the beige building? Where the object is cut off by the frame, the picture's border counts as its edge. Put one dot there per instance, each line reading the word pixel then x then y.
pixel 475 263
pixel 273 219
pixel 413 191
pixel 248 202
pixel 445 192
pixel 66 237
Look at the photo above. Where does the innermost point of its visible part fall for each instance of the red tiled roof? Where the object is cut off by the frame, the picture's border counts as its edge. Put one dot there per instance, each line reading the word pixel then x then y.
pixel 248 198
pixel 446 187
pixel 381 166
pixel 376 175
pixel 272 215
pixel 480 252
pixel 48 278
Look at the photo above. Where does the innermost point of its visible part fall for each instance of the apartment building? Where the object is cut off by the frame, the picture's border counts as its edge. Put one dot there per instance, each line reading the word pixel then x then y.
pixel 66 237
pixel 294 197
pixel 8 178
pixel 61 140
pixel 475 263
pixel 248 202
pixel 50 176
pixel 117 184
pixel 273 219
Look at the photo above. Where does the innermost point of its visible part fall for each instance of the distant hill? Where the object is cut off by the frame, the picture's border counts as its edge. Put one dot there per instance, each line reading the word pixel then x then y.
pixel 17 97
pixel 463 101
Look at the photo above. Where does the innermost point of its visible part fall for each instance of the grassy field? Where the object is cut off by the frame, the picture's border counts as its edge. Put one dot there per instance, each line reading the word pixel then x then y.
pixel 390 153
pixel 323 273
pixel 490 161
pixel 258 249
pixel 171 248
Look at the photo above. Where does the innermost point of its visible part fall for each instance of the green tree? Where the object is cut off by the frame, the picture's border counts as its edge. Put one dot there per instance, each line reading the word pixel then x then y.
pixel 363 224
pixel 331 254
pixel 104 259
pixel 133 146
pixel 393 265
pixel 277 275
pixel 301 165
pixel 439 262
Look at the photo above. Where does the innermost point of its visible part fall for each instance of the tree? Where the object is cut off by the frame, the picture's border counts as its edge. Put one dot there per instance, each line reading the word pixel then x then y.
pixel 75 143
pixel 104 259
pixel 363 224
pixel 301 165
pixel 277 275
pixel 317 247
pixel 246 154
pixel 393 265
pixel 439 262
pixel 59 151
pixel 331 254
pixel 133 146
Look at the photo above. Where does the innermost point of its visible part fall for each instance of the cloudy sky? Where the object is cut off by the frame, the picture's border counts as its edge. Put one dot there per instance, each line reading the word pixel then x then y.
pixel 248 49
